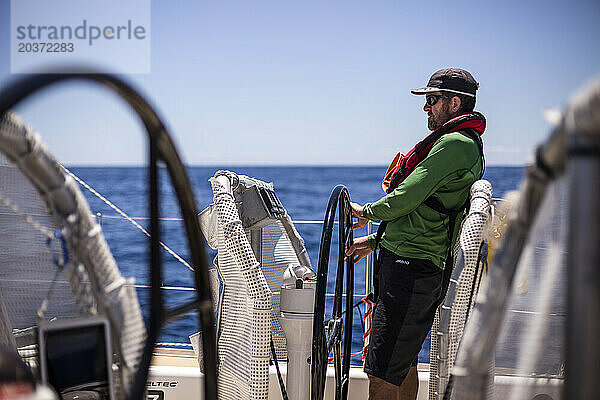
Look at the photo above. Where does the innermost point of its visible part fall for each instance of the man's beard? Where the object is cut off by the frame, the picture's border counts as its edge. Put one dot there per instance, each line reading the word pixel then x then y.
pixel 434 123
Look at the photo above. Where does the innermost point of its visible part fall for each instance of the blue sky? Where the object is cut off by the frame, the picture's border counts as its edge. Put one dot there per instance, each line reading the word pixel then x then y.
pixel 324 82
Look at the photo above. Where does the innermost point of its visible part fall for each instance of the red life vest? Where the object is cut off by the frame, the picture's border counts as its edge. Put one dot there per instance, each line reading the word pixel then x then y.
pixel 402 165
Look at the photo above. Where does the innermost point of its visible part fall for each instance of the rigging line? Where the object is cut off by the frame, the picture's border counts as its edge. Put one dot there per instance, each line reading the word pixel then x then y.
pixel 141 218
pixel 127 217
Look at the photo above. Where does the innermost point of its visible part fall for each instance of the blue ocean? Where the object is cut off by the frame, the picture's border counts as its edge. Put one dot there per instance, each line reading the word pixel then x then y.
pixel 304 191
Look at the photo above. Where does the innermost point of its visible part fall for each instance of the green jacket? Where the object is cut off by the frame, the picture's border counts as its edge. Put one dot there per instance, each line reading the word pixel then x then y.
pixel 414 230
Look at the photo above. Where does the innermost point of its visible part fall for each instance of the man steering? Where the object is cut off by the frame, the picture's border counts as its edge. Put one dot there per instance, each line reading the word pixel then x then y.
pixel 427 190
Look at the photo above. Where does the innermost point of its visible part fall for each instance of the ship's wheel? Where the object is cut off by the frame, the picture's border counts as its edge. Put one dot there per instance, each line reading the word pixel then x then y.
pixel 330 333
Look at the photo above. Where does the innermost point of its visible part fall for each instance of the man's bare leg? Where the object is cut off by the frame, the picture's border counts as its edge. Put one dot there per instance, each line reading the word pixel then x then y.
pixel 410 386
pixel 382 390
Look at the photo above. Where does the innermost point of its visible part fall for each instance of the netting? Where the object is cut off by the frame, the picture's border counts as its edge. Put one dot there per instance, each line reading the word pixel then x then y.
pixel 451 316
pixel 277 254
pixel 245 307
pixel 251 263
pixel 28 269
pixel 78 275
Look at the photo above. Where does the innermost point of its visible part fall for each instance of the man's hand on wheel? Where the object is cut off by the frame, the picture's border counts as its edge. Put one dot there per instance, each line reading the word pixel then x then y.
pixel 359 249
pixel 357 213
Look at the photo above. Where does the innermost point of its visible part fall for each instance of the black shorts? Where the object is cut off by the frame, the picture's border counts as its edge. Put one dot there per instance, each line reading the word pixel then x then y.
pixel 409 292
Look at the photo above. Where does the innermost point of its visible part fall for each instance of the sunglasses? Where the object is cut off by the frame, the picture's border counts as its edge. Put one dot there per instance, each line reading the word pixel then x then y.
pixel 433 98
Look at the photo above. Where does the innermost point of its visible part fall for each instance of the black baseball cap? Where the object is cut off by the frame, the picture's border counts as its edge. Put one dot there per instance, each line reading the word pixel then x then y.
pixel 453 80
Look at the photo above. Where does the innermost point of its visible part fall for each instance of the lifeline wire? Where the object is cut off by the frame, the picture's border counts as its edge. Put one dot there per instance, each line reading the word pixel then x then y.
pixel 127 217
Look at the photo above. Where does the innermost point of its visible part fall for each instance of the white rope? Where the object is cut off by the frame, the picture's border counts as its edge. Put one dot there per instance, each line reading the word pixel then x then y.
pixel 127 217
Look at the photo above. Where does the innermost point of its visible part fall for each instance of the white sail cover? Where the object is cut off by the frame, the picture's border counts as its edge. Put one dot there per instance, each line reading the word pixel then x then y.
pixel 250 263
pixel 244 323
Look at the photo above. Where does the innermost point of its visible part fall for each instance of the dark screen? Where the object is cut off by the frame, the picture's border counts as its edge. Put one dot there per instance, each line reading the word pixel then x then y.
pixel 76 357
